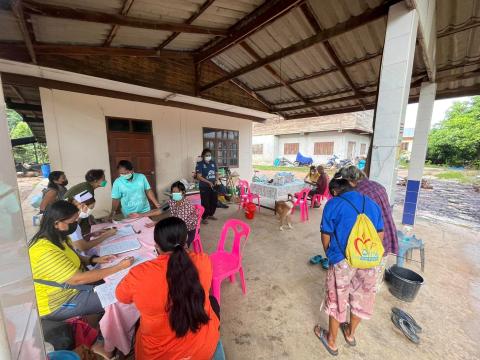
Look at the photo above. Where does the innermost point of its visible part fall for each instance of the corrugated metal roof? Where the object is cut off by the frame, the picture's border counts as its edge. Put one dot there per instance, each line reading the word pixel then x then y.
pixel 133 37
pixel 9 28
pixel 108 6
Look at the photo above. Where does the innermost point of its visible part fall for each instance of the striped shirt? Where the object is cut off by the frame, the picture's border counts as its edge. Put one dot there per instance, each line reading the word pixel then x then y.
pixel 51 263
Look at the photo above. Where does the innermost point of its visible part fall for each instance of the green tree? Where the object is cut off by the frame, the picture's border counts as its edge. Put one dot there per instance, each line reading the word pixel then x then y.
pixel 21 130
pixel 456 140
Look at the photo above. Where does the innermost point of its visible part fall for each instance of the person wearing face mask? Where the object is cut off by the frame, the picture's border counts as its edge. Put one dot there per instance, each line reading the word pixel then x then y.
pixel 94 179
pixel 56 189
pixel 63 288
pixel 83 239
pixel 132 191
pixel 207 175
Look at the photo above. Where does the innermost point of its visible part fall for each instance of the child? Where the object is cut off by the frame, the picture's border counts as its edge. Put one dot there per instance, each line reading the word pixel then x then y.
pixel 180 207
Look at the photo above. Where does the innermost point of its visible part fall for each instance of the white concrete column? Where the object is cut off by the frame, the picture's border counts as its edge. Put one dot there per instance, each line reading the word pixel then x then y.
pixel 20 333
pixel 419 151
pixel 395 77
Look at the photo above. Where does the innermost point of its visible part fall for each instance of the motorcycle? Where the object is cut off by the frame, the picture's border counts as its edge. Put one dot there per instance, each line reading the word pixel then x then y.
pixel 336 162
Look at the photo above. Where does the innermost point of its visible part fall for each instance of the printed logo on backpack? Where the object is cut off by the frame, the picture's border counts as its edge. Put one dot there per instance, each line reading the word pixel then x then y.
pixel 364 248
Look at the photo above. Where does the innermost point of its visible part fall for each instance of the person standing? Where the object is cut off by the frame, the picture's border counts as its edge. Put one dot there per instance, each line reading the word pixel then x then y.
pixel 56 189
pixel 94 179
pixel 207 174
pixel 347 287
pixel 132 191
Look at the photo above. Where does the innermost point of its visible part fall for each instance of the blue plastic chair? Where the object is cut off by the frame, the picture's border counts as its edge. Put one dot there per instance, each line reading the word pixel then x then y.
pixel 405 246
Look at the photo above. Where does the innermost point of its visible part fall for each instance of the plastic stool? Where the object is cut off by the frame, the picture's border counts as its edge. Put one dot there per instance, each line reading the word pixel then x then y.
pixel 405 246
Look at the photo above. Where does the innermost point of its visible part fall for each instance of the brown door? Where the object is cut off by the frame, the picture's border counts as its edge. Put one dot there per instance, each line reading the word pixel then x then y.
pixel 131 140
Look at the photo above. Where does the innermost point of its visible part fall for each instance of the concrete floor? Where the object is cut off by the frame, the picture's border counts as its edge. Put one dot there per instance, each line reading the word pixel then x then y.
pixel 275 319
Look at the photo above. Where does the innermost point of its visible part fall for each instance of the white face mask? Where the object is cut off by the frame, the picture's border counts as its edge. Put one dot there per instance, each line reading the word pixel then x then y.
pixel 86 214
pixel 208 158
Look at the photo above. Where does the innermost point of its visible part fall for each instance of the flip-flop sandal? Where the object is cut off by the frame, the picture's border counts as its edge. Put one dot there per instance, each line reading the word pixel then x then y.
pixel 408 317
pixel 406 328
pixel 314 260
pixel 344 327
pixel 323 338
pixel 325 263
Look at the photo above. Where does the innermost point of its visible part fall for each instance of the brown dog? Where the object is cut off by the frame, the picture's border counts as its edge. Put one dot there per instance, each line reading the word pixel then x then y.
pixel 284 210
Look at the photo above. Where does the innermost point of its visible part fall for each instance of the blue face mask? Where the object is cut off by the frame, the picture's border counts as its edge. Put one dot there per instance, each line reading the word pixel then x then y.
pixel 176 196
pixel 127 176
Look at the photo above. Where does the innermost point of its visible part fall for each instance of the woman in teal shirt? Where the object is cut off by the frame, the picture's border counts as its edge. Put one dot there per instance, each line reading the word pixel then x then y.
pixel 132 191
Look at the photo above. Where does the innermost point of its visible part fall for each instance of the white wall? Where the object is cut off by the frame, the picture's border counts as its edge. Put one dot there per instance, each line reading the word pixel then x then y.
pixel 76 134
pixel 307 145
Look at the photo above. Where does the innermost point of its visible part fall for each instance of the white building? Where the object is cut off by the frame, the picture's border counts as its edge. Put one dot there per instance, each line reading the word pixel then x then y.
pixel 345 135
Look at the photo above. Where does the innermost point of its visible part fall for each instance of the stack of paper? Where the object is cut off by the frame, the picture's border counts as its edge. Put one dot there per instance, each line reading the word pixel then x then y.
pixel 120 247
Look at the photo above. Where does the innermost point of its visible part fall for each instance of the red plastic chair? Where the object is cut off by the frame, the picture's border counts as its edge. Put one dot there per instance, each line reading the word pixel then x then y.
pixel 197 242
pixel 246 196
pixel 318 198
pixel 227 264
pixel 301 200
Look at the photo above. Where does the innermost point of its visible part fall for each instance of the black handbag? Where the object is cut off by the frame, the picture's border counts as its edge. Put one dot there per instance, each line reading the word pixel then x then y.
pixel 59 334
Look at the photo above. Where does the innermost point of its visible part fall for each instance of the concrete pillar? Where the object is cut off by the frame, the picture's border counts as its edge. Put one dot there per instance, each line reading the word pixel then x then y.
pixel 20 333
pixel 395 77
pixel 419 151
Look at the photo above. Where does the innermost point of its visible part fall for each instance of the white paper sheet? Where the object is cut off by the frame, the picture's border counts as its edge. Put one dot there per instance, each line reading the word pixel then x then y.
pixel 124 231
pixel 120 247
pixel 106 292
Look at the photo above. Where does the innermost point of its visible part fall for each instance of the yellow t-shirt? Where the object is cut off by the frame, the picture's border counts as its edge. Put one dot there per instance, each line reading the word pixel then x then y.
pixel 51 263
pixel 313 178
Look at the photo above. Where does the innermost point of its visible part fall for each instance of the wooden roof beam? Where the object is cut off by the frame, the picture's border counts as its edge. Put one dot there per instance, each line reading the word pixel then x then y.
pixel 274 73
pixel 191 19
pixel 22 107
pixel 127 5
pixel 64 12
pixel 17 93
pixel 262 16
pixel 339 29
pixel 18 11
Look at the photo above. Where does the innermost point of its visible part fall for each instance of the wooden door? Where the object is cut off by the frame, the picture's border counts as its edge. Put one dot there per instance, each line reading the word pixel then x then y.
pixel 351 150
pixel 131 140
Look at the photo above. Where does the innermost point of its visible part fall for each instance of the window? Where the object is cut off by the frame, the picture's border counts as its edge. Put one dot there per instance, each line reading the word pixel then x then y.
pixel 404 146
pixel 363 149
pixel 127 125
pixel 257 149
pixel 290 148
pixel 223 144
pixel 323 148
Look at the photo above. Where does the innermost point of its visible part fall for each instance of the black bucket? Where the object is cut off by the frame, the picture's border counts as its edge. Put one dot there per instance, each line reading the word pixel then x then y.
pixel 404 283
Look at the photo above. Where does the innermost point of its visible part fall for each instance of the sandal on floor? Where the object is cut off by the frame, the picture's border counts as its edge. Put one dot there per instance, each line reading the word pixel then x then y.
pixel 314 260
pixel 325 263
pixel 406 328
pixel 344 327
pixel 408 317
pixel 323 336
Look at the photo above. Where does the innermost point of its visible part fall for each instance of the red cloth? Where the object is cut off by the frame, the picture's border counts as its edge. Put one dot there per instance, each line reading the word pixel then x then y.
pixel 84 333
pixel 377 193
pixel 146 286
pixel 322 184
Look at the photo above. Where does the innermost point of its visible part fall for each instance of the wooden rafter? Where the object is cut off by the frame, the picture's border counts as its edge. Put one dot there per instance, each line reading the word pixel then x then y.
pixel 265 14
pixel 312 20
pixel 21 106
pixel 341 28
pixel 127 5
pixel 64 12
pixel 190 20
pixel 18 11
pixel 17 93
pixel 274 73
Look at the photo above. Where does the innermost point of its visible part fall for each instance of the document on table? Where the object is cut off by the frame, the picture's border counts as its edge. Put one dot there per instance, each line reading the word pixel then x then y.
pixel 124 231
pixel 120 247
pixel 106 292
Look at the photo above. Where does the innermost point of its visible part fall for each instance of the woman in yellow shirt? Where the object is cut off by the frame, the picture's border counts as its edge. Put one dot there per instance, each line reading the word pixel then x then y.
pixel 63 287
pixel 312 176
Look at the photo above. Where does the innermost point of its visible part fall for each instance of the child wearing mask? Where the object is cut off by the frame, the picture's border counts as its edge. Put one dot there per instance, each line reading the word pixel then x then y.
pixel 180 207
pixel 83 240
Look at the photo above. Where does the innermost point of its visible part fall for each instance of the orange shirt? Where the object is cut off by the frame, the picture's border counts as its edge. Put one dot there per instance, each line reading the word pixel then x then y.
pixel 146 286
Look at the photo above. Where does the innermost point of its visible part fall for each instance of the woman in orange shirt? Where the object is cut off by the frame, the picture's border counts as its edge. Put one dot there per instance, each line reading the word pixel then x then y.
pixel 171 293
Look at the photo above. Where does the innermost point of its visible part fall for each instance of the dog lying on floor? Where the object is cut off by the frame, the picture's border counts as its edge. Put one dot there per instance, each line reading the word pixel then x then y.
pixel 284 210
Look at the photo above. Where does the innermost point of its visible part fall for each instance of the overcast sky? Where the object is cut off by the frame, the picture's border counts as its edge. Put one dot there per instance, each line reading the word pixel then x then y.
pixel 439 109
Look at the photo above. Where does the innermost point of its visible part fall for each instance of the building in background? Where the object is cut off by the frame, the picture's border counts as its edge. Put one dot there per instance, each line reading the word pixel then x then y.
pixel 345 135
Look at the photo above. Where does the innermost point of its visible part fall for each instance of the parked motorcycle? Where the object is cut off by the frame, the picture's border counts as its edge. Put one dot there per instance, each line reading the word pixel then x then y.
pixel 336 162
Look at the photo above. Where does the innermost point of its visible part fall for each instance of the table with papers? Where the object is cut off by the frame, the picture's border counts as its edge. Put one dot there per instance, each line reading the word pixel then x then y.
pixel 133 238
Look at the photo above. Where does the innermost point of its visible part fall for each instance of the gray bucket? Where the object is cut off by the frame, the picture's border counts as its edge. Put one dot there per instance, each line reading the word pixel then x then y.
pixel 404 283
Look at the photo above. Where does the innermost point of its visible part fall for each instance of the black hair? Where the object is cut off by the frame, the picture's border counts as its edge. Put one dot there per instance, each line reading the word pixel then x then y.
pixel 94 175
pixel 125 164
pixel 313 168
pixel 186 296
pixel 60 210
pixel 52 177
pixel 179 185
pixel 205 152
pixel 339 184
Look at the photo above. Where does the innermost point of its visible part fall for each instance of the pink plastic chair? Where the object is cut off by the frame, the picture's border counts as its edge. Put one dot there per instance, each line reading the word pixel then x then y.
pixel 318 198
pixel 227 264
pixel 301 200
pixel 197 242
pixel 246 195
